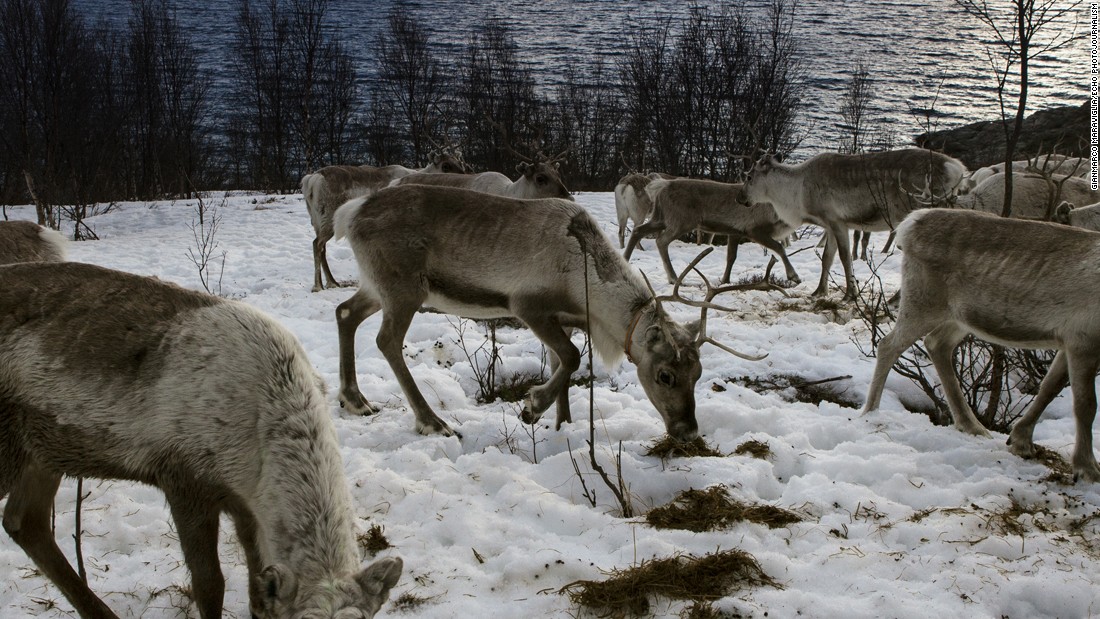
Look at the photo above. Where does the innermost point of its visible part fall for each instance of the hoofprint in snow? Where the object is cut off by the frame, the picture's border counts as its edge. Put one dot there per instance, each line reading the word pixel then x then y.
pixel 901 517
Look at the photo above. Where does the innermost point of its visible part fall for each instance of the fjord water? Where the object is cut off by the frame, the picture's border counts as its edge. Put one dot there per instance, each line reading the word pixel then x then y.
pixel 929 62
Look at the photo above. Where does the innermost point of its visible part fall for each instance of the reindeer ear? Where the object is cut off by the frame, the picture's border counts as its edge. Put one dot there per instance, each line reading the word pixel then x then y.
pixel 778 158
pixel 693 329
pixel 1061 213
pixel 379 577
pixel 276 586
pixel 523 168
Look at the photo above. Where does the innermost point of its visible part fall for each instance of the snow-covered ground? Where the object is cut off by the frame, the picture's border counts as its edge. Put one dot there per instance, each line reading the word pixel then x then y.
pixel 898 513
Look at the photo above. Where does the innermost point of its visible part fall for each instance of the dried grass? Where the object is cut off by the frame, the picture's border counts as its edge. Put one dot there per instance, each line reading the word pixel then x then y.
pixel 714 508
pixel 628 593
pixel 668 447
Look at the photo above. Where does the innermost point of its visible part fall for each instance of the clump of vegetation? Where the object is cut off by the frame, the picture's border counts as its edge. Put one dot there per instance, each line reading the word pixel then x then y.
pixel 408 602
pixel 714 508
pixel 668 447
pixel 374 540
pixel 794 388
pixel 1060 470
pixel 515 387
pixel 757 449
pixel 710 577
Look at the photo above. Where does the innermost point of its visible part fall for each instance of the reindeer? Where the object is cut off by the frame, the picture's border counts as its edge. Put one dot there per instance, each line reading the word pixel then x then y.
pixel 1085 217
pixel 869 192
pixel 539 177
pixel 328 188
pixel 25 241
pixel 685 204
pixel 1024 284
pixel 112 375
pixel 632 202
pixel 1034 196
pixel 541 261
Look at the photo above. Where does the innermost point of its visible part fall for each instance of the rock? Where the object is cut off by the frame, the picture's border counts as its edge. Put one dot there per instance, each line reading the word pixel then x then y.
pixel 1064 130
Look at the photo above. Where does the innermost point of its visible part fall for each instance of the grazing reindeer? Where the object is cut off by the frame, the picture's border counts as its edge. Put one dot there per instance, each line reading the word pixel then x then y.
pixel 1015 283
pixel 541 261
pixel 326 189
pixel 632 202
pixel 25 241
pixel 869 192
pixel 112 375
pixel 686 204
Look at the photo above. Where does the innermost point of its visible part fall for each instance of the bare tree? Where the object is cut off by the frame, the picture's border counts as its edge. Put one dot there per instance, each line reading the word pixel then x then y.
pixel 854 104
pixel 1020 34
pixel 412 76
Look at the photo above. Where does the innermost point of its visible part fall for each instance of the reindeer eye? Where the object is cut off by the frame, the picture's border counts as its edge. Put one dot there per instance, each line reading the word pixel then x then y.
pixel 540 180
pixel 666 378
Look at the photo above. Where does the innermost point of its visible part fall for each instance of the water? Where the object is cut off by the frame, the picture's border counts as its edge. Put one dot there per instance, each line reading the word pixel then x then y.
pixel 920 55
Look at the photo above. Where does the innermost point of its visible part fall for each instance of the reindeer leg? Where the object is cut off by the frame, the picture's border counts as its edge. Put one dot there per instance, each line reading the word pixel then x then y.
pixel 889 241
pixel 549 330
pixel 827 255
pixel 840 235
pixel 863 247
pixel 349 315
pixel 318 253
pixel 1020 440
pixel 564 416
pixel 1083 366
pixel 197 526
pixel 27 521
pixel 909 328
pixel 247 533
pixel 941 344
pixel 640 232
pixel 856 235
pixel 663 241
pixel 777 248
pixel 332 283
pixel 731 256
pixel 397 315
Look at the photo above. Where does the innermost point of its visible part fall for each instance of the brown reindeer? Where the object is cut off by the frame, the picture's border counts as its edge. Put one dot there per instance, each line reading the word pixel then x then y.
pixel 542 261
pixel 1025 284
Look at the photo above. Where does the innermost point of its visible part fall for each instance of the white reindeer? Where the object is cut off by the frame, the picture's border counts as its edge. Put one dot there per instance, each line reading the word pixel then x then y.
pixel 26 241
pixel 1034 196
pixel 1024 284
pixel 1048 164
pixel 112 375
pixel 1085 217
pixel 541 261
pixel 632 202
pixel 540 179
pixel 326 189
pixel 869 192
pixel 681 205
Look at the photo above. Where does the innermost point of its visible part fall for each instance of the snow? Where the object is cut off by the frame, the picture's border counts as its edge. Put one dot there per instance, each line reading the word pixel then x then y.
pixel 900 515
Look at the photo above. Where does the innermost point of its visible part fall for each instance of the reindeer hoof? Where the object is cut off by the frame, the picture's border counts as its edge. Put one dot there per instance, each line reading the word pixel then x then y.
pixel 436 426
pixel 356 404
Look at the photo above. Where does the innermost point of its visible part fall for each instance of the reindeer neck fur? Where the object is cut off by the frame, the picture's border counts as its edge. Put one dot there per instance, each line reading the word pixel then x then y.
pixel 786 191
pixel 621 308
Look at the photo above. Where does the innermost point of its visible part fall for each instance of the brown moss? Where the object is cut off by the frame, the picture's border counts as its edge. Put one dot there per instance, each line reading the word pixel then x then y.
pixel 713 508
pixel 628 592
pixel 668 447
pixel 374 540
pixel 757 449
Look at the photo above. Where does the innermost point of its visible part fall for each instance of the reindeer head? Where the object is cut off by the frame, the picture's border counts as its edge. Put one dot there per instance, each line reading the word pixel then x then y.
pixel 755 189
pixel 668 354
pixel 543 179
pixel 667 357
pixel 357 596
pixel 448 161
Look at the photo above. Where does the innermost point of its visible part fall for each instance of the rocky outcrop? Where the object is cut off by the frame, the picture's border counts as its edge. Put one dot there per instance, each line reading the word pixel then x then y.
pixel 1061 129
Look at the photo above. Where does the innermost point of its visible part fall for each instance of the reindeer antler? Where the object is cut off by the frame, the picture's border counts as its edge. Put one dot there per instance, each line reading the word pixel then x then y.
pixel 704 305
pixel 926 196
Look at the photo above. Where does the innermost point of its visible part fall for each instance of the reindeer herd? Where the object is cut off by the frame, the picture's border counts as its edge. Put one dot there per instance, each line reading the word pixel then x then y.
pixel 110 375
